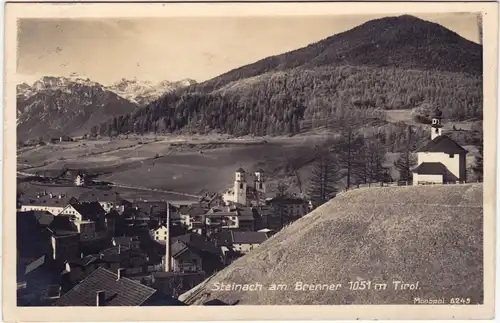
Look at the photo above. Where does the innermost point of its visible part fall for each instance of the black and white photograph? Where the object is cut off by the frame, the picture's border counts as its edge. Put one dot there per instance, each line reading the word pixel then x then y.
pixel 321 159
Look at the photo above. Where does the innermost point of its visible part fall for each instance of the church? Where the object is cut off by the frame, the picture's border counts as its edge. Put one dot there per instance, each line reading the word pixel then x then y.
pixel 442 160
pixel 242 192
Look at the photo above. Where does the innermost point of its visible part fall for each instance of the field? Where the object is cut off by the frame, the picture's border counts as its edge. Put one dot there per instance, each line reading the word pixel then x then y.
pixel 426 234
pixel 187 165
pixel 182 164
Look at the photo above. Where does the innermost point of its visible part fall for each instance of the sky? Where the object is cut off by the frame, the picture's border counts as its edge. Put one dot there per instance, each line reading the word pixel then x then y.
pixel 175 48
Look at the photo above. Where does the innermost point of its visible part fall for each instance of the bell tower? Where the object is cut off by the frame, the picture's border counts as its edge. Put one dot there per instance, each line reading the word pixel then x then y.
pixel 260 183
pixel 240 187
pixel 436 127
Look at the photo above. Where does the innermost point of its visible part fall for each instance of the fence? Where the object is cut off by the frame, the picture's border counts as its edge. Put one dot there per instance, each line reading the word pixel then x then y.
pixel 403 183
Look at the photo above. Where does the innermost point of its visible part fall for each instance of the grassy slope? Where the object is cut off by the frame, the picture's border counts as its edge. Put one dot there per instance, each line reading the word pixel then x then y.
pixel 428 234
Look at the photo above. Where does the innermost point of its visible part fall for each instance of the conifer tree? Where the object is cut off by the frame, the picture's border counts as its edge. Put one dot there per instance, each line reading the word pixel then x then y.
pixel 478 163
pixel 406 159
pixel 325 176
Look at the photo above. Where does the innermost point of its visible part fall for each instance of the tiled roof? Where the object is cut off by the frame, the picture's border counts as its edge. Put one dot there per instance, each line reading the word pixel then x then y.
pixel 118 292
pixel 240 170
pixel 443 144
pixel 177 248
pixel 228 238
pixel 48 201
pixel 89 210
pixel 224 238
pixel 61 225
pixel 198 242
pixel 34 265
pixel 430 169
pixel 44 218
pixel 248 237
pixel 196 209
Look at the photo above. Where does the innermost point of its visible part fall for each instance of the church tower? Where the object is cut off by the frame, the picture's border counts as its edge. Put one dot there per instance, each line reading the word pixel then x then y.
pixel 260 183
pixel 240 187
pixel 436 124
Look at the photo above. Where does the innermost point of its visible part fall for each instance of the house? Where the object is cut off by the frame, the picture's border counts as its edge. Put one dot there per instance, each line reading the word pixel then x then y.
pixel 132 261
pixel 209 200
pixel 209 253
pixel 59 230
pixel 65 138
pixel 80 179
pixel 242 192
pixel 112 219
pixel 440 161
pixel 107 288
pixel 65 239
pixel 109 200
pixel 185 258
pixel 241 241
pixel 192 216
pixel 53 203
pixel 159 233
pixel 284 210
pixel 36 261
pixel 89 218
pixel 231 217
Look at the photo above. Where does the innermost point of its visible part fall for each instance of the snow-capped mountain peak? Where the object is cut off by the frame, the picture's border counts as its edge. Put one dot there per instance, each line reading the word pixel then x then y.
pixel 144 92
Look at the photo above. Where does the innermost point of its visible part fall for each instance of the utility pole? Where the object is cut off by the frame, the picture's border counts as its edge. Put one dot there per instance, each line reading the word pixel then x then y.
pixel 167 244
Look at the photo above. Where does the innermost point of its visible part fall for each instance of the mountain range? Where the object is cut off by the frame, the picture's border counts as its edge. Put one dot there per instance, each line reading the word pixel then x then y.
pixel 55 106
pixel 349 78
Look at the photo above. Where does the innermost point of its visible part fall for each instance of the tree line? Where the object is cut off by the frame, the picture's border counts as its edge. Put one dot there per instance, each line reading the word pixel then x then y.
pixel 356 158
pixel 297 100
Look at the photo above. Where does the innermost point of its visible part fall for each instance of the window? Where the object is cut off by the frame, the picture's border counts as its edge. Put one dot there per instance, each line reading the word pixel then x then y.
pixel 437 130
pixel 260 185
pixel 241 185
pixel 452 155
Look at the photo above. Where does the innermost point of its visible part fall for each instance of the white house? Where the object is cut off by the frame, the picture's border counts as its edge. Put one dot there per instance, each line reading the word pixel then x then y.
pixel 160 233
pixel 442 160
pixel 89 220
pixel 80 179
pixel 241 192
pixel 52 203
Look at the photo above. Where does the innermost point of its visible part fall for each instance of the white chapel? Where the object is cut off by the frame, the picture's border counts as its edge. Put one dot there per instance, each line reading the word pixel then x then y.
pixel 440 161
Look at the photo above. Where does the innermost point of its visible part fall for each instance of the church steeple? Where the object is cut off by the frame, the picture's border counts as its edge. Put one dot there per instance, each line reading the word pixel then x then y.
pixel 436 129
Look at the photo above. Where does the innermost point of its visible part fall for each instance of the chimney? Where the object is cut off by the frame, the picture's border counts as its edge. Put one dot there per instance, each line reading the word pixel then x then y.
pixel 100 297
pixel 119 272
pixel 50 195
pixel 167 243
pixel 119 248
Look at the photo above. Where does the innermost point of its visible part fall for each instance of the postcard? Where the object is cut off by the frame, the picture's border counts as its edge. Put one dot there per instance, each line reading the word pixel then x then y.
pixel 279 161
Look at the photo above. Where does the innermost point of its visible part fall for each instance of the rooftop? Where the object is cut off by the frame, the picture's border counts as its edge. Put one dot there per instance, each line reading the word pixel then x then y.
pixel 198 242
pixel 443 144
pixel 89 210
pixel 118 292
pixel 430 169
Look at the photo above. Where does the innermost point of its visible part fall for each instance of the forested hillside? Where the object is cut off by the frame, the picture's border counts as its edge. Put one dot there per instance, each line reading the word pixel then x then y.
pixel 385 64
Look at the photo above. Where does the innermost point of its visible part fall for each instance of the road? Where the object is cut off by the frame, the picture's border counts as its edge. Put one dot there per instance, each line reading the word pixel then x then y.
pixel 139 188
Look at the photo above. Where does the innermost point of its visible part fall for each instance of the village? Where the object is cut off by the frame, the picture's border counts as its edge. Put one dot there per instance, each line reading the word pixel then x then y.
pixel 100 249
pixel 63 240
